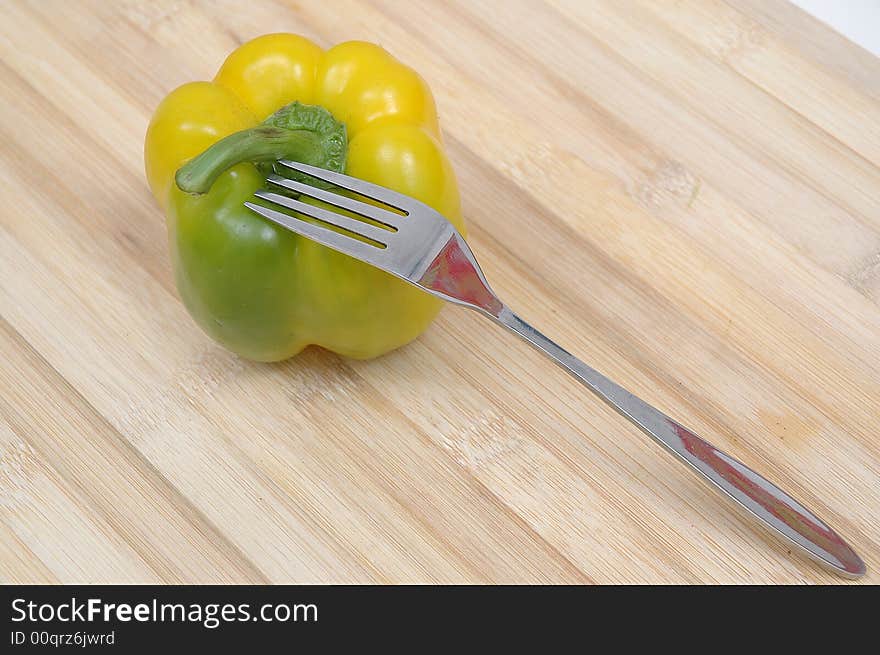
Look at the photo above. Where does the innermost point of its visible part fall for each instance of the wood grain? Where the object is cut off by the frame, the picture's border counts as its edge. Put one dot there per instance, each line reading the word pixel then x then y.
pixel 686 193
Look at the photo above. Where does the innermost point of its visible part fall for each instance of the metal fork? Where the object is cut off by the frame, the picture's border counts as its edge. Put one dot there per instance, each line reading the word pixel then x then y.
pixel 420 246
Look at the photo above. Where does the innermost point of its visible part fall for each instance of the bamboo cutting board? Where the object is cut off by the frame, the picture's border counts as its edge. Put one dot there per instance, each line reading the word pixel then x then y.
pixel 684 193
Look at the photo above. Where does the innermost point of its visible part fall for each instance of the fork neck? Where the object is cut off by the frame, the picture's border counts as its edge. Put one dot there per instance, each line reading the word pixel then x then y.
pixel 455 274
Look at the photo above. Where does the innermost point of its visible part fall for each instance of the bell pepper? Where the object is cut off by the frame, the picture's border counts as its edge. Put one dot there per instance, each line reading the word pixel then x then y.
pixel 259 290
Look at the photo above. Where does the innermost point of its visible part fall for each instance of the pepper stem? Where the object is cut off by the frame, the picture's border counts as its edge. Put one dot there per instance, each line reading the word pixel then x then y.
pixel 258 144
pixel 304 133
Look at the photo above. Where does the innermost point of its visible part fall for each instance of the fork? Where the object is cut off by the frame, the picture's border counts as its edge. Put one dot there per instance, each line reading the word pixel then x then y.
pixel 417 244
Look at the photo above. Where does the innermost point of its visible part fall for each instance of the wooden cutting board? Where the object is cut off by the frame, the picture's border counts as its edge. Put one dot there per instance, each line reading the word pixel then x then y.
pixel 684 193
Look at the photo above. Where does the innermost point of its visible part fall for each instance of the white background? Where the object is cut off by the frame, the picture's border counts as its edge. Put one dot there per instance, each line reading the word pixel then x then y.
pixel 858 20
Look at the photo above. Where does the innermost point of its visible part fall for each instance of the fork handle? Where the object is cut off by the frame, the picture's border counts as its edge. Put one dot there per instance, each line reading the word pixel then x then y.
pixel 761 498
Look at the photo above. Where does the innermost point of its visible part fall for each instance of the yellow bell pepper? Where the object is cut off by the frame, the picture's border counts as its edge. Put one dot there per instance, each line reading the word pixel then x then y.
pixel 259 290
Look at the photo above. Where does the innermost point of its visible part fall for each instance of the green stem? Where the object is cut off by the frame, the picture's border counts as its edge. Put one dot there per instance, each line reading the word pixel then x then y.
pixel 304 133
pixel 258 144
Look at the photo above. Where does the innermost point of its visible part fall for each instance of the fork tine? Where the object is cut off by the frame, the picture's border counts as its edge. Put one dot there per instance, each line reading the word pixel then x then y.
pixel 393 198
pixel 378 214
pixel 323 235
pixel 352 225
